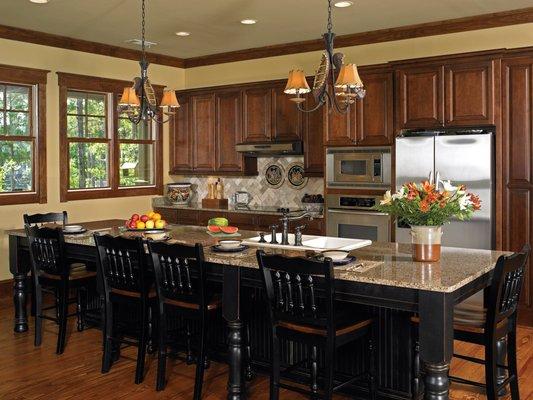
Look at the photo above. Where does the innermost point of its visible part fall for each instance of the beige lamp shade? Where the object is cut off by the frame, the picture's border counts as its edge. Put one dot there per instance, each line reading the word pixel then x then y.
pixel 349 77
pixel 169 99
pixel 297 84
pixel 129 98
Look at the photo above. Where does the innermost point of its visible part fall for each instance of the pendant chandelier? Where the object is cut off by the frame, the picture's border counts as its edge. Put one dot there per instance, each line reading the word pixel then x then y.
pixel 336 83
pixel 139 101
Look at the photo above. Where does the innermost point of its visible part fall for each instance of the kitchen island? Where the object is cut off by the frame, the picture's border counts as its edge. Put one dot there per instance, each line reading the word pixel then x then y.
pixel 384 279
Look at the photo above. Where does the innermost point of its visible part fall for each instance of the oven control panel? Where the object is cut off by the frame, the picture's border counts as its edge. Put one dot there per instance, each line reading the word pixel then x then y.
pixel 352 202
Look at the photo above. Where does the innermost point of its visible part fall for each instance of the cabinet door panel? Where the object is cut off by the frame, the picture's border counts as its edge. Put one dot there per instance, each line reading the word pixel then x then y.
pixel 313 139
pixel 420 97
pixel 373 114
pixel 203 132
pixel 181 154
pixel 257 115
pixel 286 119
pixel 340 128
pixel 469 94
pixel 228 131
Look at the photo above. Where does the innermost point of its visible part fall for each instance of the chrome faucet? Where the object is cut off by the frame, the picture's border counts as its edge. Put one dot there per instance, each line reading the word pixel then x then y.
pixel 285 224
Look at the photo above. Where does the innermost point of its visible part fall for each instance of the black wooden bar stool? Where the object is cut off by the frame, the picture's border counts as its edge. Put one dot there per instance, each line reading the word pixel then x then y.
pixel 127 286
pixel 50 269
pixel 300 294
pixel 181 285
pixel 488 326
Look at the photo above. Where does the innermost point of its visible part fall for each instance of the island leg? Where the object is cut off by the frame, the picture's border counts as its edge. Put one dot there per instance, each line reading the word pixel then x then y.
pixel 231 313
pixel 436 342
pixel 19 286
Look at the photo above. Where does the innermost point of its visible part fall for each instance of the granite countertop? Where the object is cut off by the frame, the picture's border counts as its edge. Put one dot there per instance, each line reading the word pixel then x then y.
pixel 162 202
pixel 387 264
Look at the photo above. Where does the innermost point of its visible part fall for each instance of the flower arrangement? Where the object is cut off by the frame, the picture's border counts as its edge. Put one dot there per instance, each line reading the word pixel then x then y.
pixel 425 205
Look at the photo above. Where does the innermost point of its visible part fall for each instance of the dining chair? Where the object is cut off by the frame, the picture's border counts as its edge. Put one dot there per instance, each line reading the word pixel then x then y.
pixel 51 269
pixel 491 326
pixel 122 272
pixel 301 305
pixel 181 286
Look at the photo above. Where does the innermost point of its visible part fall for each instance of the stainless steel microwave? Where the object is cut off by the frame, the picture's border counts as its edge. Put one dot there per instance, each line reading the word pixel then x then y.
pixel 358 167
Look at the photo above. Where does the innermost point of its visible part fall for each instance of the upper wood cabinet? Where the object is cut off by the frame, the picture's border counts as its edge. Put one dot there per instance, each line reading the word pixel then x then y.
pixel 340 128
pixel 203 132
pixel 420 101
pixel 228 131
pixel 257 114
pixel 181 153
pixel 373 117
pixel 313 138
pixel 469 90
pixel 458 93
pixel 287 121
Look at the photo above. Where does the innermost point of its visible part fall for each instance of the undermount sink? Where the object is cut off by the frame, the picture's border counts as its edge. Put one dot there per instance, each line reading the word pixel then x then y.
pixel 311 242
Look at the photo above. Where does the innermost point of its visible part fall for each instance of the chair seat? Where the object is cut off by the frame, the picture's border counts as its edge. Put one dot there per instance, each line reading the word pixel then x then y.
pixel 130 293
pixel 214 304
pixel 342 327
pixel 77 273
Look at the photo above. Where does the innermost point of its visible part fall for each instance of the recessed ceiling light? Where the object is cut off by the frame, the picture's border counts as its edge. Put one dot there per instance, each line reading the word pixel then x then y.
pixel 39 1
pixel 183 33
pixel 248 21
pixel 343 4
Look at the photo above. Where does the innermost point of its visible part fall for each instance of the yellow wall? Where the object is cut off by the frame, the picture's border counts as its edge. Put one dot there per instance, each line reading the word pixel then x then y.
pixel 29 55
pixel 278 67
pixel 54 59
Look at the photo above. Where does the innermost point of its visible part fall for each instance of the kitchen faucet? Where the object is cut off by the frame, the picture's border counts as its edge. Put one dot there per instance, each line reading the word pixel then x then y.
pixel 285 224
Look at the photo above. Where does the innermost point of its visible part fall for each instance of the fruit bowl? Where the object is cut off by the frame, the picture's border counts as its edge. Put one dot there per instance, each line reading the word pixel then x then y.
pixel 149 221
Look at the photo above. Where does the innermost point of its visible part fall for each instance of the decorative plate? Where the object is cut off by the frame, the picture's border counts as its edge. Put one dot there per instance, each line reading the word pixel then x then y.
pixel 274 175
pixel 296 175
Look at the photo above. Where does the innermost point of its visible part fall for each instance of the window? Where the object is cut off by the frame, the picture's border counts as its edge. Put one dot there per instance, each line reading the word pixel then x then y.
pixel 22 135
pixel 105 154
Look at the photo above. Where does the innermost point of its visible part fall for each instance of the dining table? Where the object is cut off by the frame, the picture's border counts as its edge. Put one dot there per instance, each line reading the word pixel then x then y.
pixel 383 275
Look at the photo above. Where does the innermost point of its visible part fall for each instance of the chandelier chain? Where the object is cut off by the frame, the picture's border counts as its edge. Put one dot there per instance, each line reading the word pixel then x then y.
pixel 330 23
pixel 143 28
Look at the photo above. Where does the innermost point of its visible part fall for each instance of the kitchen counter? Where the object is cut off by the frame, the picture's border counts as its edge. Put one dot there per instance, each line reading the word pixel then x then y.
pixel 388 264
pixel 162 202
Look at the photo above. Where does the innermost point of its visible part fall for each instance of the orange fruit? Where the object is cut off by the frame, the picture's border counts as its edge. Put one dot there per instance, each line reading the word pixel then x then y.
pixel 156 217
pixel 150 214
pixel 141 225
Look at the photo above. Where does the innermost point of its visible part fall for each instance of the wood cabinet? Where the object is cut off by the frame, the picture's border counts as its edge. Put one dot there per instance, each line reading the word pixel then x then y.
pixel 228 131
pixel 340 128
pixel 287 121
pixel 203 132
pixel 313 138
pixel 469 93
pixel 517 132
pixel 373 115
pixel 420 96
pixel 181 152
pixel 257 114
pixel 449 94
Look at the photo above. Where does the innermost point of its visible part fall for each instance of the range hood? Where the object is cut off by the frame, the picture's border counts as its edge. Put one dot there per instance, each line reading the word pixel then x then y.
pixel 264 149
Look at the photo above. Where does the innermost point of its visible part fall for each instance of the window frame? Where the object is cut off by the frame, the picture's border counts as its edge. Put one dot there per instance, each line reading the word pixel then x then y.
pixel 36 79
pixel 112 88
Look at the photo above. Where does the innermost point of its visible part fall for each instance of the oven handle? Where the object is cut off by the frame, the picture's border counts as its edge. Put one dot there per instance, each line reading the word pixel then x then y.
pixel 346 211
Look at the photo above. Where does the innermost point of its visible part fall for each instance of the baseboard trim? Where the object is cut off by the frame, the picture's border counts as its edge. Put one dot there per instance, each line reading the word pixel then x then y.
pixel 6 289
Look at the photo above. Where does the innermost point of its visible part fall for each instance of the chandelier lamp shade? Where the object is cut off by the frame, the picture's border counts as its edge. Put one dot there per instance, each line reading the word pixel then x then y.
pixel 139 101
pixel 336 84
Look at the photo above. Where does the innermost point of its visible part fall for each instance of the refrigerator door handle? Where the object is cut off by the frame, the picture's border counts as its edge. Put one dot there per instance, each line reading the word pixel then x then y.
pixel 437 179
pixel 430 177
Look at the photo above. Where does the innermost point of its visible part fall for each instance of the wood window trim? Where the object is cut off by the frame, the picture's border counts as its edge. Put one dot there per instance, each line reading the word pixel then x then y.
pixel 67 82
pixel 37 78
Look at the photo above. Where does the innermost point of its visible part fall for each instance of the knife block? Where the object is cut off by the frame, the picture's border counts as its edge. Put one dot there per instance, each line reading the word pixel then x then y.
pixel 215 203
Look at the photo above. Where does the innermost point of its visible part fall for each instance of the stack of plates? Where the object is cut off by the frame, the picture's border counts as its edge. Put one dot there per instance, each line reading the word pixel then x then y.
pixel 73 229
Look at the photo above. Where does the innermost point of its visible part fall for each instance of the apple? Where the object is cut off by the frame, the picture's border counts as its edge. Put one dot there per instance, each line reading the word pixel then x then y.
pixel 149 224
pixel 156 216
pixel 140 225
pixel 160 223
pixel 127 223
pixel 135 217
pixel 132 225
pixel 144 218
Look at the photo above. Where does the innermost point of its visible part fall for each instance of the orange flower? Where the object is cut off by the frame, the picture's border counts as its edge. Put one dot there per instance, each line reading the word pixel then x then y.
pixel 476 202
pixel 424 206
pixel 412 191
pixel 428 187
pixel 432 197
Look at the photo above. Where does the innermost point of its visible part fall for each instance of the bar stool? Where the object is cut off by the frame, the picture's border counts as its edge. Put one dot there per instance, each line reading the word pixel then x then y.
pixel 489 326
pixel 300 294
pixel 123 273
pixel 50 269
pixel 181 285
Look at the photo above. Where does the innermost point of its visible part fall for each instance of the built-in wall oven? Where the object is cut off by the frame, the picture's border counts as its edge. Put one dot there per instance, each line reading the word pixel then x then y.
pixel 358 167
pixel 351 216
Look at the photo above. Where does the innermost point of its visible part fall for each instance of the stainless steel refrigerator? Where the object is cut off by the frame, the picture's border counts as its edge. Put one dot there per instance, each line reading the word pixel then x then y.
pixel 464 157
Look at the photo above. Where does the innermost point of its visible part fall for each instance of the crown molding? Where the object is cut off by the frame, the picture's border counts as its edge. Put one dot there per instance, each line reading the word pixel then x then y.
pixel 63 42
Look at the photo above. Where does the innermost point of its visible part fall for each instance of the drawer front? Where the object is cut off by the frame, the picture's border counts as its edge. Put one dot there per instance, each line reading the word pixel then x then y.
pixel 168 214
pixel 204 216
pixel 188 217
pixel 243 221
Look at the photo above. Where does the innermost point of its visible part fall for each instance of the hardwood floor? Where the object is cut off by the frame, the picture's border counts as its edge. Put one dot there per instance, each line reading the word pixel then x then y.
pixel 27 372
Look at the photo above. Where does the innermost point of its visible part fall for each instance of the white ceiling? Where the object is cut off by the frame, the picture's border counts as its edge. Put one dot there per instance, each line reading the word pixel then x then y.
pixel 214 24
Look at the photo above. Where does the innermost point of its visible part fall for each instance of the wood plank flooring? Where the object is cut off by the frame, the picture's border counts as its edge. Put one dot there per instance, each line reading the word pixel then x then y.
pixel 33 373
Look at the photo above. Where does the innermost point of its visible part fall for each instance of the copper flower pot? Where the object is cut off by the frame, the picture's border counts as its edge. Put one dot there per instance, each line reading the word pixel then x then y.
pixel 426 242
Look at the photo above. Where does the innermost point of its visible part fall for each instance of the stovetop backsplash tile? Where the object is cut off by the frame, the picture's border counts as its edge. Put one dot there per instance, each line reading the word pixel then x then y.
pixel 262 193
